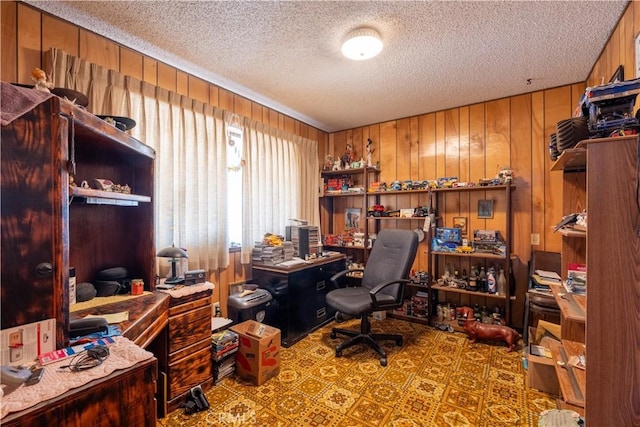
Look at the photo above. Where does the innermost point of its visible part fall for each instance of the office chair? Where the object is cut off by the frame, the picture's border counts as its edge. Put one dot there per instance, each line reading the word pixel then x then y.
pixel 382 288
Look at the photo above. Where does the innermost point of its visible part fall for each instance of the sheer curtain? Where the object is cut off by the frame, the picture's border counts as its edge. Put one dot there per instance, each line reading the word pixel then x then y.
pixel 189 139
pixel 280 182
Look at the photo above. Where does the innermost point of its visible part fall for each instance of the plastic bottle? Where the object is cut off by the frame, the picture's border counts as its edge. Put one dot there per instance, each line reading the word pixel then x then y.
pixel 502 283
pixel 491 281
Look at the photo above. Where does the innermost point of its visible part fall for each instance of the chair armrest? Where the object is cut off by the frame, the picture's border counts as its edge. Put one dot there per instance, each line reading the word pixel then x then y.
pixel 341 274
pixel 381 286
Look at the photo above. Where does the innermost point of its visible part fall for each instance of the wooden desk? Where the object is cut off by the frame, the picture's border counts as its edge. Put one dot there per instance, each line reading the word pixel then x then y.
pixel 123 398
pixel 300 291
pixel 148 316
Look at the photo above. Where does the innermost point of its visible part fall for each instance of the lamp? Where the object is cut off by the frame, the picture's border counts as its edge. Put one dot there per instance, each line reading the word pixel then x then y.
pixel 175 254
pixel 362 43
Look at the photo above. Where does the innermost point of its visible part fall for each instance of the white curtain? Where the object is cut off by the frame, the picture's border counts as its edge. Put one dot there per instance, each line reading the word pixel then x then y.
pixel 280 182
pixel 189 140
pixel 280 176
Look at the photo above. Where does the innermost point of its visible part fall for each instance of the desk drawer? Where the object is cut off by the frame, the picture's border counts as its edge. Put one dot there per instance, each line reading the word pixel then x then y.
pixel 189 328
pixel 190 371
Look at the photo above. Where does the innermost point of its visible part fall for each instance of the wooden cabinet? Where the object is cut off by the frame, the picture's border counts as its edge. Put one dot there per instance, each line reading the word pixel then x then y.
pixel 611 249
pixel 187 345
pixel 300 295
pixel 453 198
pixel 49 226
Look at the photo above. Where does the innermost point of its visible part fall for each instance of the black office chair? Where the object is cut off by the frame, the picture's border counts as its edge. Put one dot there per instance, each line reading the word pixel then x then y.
pixel 382 288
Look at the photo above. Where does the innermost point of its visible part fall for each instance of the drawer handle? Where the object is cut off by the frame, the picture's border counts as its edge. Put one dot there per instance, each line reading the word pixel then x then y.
pixel 320 286
pixel 321 313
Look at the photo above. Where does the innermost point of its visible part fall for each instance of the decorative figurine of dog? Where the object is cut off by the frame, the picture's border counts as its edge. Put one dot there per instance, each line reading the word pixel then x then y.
pixel 485 331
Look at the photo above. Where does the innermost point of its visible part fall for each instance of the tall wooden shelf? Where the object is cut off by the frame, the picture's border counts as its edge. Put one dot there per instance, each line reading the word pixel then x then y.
pixel 503 223
pixel 49 225
pixel 333 205
pixel 601 175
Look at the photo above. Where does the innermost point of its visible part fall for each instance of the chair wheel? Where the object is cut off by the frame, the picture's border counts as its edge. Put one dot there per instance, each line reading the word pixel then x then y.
pixel 333 335
pixel 399 342
pixel 338 353
pixel 383 361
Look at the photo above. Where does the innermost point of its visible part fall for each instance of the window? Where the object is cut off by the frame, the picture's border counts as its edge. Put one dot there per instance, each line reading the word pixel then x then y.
pixel 235 163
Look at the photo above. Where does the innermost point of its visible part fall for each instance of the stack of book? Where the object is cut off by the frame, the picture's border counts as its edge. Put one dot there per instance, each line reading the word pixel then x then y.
pixel 225 343
pixel 288 250
pixel 267 255
pixel 541 280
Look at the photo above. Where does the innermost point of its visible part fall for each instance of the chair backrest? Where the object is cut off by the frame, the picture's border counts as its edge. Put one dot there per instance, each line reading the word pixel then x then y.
pixel 391 258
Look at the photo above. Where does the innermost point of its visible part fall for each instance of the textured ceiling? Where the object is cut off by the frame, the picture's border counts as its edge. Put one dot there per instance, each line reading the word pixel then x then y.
pixel 286 54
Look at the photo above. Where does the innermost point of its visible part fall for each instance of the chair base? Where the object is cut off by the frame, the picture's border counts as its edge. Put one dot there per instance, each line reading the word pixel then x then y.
pixel 365 336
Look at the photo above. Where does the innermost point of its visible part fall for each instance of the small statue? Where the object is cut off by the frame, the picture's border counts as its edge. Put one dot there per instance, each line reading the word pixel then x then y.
pixel 370 151
pixel 486 331
pixel 41 81
pixel 347 157
pixel 336 165
pixel 328 162
pixel 505 175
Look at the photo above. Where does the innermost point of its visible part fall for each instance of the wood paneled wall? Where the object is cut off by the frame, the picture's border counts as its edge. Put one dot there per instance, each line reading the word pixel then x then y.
pixel 27 33
pixel 470 141
pixel 474 141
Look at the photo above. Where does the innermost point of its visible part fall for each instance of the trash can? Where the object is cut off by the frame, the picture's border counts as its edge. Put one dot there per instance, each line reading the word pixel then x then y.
pixel 255 305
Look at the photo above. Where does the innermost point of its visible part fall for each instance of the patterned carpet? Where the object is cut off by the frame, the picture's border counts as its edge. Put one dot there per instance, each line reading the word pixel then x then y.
pixel 435 379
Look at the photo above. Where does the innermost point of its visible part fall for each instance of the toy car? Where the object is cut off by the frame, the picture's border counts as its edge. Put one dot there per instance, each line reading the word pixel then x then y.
pixel 603 111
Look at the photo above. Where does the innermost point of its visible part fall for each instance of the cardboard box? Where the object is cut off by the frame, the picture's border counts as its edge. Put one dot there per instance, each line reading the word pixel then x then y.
pixel 541 371
pixel 258 356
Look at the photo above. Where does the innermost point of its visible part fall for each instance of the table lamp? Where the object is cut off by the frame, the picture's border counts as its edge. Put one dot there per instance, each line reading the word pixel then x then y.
pixel 175 254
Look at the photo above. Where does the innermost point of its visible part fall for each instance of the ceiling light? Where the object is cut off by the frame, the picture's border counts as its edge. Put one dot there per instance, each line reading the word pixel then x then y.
pixel 362 43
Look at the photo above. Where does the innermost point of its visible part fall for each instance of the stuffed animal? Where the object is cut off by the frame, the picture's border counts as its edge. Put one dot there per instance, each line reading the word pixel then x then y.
pixel 485 331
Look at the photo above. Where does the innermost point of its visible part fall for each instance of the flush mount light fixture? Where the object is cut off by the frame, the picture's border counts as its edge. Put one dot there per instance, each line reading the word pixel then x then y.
pixel 362 43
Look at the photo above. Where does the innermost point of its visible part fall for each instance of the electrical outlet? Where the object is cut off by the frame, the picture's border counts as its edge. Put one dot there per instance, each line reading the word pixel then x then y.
pixel 535 239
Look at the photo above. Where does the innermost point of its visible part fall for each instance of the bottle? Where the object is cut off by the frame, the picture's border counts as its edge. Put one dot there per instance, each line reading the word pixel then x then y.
pixel 473 284
pixel 502 283
pixel 491 281
pixel 482 280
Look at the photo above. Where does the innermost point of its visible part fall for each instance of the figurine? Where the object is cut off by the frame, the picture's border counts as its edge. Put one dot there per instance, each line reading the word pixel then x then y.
pixel 505 175
pixel 347 157
pixel 336 165
pixel 370 151
pixel 41 81
pixel 486 331
pixel 328 162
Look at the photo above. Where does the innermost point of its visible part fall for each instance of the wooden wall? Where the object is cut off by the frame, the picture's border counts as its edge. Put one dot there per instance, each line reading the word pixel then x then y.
pixel 27 33
pixel 474 141
pixel 470 141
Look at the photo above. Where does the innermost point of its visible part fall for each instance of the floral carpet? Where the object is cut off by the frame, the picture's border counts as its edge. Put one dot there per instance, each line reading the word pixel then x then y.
pixel 436 378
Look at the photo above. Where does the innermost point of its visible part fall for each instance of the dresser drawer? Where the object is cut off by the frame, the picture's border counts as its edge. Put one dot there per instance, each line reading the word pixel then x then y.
pixel 189 328
pixel 190 371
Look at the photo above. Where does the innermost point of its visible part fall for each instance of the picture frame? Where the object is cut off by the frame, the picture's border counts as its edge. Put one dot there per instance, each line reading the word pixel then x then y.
pixel 485 209
pixel 618 75
pixel 461 223
pixel 352 219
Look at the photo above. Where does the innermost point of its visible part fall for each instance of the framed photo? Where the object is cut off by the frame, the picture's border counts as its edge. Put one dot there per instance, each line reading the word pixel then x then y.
pixel 352 219
pixel 485 208
pixel 461 223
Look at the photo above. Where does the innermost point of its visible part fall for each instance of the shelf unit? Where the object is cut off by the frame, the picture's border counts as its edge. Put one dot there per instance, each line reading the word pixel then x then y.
pixel 601 175
pixel 501 195
pixel 333 207
pixel 57 225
